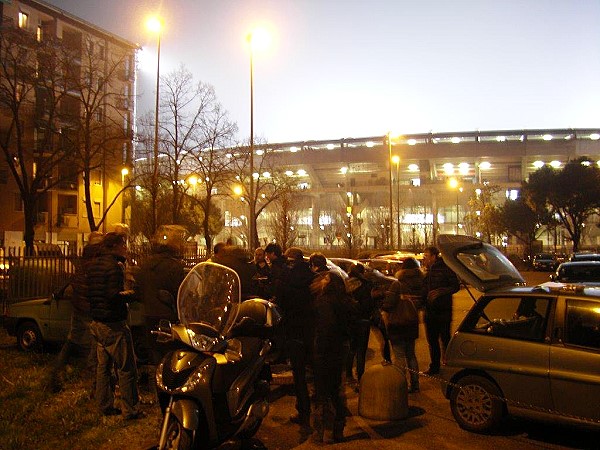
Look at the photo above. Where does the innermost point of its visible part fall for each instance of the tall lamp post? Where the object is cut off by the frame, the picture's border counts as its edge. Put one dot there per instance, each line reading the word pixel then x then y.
pixel 154 24
pixel 124 173
pixel 257 40
pixel 389 140
pixel 453 183
pixel 396 160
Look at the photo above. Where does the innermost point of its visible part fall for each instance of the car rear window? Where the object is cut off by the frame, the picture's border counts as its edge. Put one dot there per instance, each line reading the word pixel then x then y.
pixel 579 273
pixel 510 317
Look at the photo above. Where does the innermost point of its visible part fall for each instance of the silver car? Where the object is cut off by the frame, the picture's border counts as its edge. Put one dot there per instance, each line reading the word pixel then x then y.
pixel 523 351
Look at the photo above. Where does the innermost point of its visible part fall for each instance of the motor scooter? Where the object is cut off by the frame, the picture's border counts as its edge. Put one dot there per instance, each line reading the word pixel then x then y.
pixel 213 389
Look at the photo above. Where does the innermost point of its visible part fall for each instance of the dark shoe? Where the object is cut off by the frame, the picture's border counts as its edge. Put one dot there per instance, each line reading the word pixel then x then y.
pixel 111 412
pixel 300 420
pixel 135 416
pixel 413 390
pixel 432 372
pixel 338 431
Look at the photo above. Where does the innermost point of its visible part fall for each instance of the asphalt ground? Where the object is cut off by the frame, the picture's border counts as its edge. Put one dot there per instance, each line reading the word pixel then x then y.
pixel 429 425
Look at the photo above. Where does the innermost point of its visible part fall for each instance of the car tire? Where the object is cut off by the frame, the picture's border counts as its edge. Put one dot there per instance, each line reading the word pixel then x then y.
pixel 29 337
pixel 477 404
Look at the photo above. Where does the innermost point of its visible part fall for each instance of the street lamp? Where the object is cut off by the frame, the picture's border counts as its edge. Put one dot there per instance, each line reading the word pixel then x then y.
pixel 124 173
pixel 453 183
pixel 389 140
pixel 154 24
pixel 257 40
pixel 396 160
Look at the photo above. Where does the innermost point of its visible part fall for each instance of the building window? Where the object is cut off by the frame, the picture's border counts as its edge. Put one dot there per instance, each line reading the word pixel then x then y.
pixel 67 204
pixel 96 177
pixel 514 173
pixel 101 51
pixel 39 33
pixel 23 20
pixel 100 114
pixel 67 174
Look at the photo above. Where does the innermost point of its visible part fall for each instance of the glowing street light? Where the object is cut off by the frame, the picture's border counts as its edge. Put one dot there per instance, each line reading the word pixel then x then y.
pixel 258 39
pixel 396 160
pixel 390 136
pixel 154 25
pixel 454 184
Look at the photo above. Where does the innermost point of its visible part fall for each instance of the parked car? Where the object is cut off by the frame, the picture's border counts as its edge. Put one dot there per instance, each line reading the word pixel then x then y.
pixel 390 264
pixel 374 275
pixel 585 272
pixel 523 351
pixel 42 321
pixel 585 256
pixel 544 261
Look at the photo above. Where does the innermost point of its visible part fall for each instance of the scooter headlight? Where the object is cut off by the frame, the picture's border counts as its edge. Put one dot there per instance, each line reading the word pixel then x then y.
pixel 201 342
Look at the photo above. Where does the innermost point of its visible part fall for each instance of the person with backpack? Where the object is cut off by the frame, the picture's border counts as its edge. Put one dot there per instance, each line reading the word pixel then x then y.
pixel 402 318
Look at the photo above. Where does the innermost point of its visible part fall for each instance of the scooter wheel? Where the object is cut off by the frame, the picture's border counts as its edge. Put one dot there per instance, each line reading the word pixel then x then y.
pixel 178 438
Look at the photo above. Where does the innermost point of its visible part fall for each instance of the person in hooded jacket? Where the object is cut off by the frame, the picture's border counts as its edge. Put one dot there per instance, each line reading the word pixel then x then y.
pixel 400 306
pixel 156 285
pixel 332 318
pixel 360 289
pixel 108 299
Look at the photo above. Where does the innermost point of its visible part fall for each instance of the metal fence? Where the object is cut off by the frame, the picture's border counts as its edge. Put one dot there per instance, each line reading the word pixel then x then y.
pixel 26 277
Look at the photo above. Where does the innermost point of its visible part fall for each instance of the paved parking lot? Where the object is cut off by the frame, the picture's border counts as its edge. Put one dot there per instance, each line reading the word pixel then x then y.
pixel 430 424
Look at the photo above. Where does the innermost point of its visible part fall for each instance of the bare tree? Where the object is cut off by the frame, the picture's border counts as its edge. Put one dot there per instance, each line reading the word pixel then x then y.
pixel 195 132
pixel 32 89
pixel 379 221
pixel 95 132
pixel 484 216
pixel 283 221
pixel 270 180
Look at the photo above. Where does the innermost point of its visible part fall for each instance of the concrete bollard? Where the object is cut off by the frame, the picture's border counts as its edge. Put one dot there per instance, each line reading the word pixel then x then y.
pixel 383 393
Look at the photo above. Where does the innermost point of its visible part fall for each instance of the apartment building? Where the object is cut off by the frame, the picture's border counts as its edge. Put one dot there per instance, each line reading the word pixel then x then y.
pixel 66 123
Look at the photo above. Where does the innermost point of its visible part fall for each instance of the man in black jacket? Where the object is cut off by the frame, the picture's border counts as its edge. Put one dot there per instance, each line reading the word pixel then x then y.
pixel 292 293
pixel 438 286
pixel 105 279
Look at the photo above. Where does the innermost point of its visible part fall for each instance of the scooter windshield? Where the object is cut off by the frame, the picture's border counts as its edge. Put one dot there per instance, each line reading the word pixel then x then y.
pixel 210 295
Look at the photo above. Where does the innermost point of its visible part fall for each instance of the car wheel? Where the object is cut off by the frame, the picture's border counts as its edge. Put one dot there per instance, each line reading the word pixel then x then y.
pixel 476 404
pixel 29 337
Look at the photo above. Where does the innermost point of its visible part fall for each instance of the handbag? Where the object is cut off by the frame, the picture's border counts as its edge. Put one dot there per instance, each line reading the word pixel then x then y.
pixel 404 314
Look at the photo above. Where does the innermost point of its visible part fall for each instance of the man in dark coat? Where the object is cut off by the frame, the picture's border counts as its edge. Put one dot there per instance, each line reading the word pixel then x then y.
pixel 79 339
pixel 157 283
pixel 332 315
pixel 292 294
pixel 105 279
pixel 438 286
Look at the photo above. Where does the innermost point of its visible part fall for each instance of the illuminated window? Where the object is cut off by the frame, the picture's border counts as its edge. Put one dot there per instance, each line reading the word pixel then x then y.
pixel 38 33
pixel 23 20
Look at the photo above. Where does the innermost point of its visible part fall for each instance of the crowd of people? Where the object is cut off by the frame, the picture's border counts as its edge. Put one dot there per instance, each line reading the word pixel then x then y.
pixel 327 319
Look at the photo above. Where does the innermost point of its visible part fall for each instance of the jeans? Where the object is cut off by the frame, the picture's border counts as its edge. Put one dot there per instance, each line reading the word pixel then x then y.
pixel 406 359
pixel 115 349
